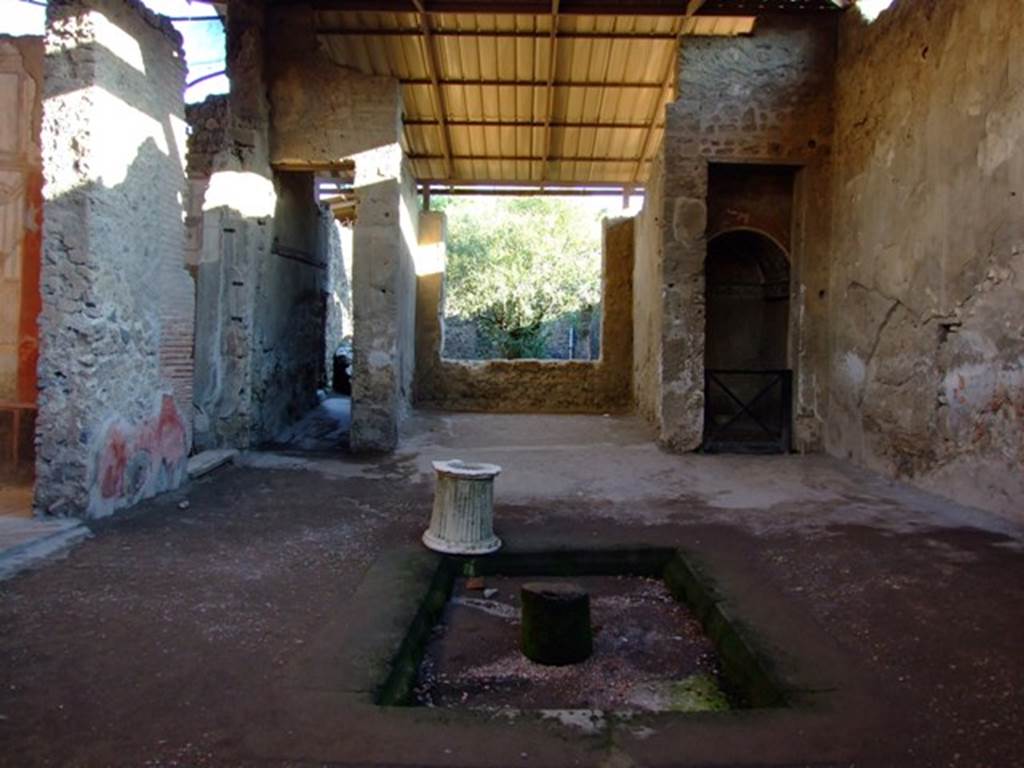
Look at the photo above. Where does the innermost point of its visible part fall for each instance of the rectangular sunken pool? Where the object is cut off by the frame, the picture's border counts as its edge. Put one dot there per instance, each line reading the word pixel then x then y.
pixel 662 640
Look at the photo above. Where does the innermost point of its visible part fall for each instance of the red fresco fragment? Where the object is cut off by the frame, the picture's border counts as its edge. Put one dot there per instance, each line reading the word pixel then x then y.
pixel 162 439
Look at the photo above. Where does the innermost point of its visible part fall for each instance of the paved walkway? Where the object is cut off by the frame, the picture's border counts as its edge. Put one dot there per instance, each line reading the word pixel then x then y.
pixel 176 636
pixel 27 541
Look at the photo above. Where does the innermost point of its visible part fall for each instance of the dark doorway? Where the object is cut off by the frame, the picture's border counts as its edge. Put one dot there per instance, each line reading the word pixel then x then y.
pixel 747 385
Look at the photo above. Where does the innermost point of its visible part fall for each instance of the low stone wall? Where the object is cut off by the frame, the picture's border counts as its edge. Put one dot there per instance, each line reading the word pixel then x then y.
pixel 567 337
pixel 536 385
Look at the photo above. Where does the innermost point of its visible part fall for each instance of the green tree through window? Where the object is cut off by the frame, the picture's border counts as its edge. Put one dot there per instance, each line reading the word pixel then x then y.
pixel 517 264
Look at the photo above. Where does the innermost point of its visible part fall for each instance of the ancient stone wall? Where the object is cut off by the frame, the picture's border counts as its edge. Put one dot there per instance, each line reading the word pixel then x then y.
pixel 759 99
pixel 647 285
pixel 21 213
pixel 383 298
pixel 751 196
pixel 261 259
pixel 328 118
pixel 115 398
pixel 289 323
pixel 534 385
pixel 927 357
pixel 338 320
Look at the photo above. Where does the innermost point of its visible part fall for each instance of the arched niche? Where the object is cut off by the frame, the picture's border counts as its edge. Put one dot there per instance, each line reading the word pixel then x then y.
pixel 747 302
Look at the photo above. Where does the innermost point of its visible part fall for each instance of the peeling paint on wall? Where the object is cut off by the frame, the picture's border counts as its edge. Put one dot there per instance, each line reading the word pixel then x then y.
pixel 136 461
pixel 928 250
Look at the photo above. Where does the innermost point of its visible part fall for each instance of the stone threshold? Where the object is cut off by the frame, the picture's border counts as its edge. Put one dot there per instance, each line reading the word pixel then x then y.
pixel 27 541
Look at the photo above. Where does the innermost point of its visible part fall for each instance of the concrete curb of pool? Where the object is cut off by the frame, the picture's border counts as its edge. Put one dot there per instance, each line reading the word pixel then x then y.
pixel 367 658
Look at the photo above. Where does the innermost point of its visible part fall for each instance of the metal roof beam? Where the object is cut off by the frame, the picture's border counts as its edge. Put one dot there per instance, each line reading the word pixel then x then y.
pixel 568 191
pixel 692 7
pixel 533 83
pixel 530 159
pixel 495 33
pixel 433 71
pixel 515 187
pixel 672 8
pixel 421 121
pixel 550 101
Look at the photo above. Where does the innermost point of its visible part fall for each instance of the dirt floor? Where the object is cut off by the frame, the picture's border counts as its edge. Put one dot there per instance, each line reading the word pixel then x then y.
pixel 170 638
pixel 649 651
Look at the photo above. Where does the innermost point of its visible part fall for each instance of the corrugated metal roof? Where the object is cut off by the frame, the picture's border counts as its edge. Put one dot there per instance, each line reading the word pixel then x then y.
pixel 483 84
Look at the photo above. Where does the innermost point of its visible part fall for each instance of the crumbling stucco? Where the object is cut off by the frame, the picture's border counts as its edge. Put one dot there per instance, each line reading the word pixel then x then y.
pixel 326 117
pixel 383 298
pixel 116 326
pixel 759 99
pixel 647 304
pixel 261 258
pixel 289 327
pixel 927 359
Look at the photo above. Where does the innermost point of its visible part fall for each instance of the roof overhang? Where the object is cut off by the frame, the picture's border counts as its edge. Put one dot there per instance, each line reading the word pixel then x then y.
pixel 532 93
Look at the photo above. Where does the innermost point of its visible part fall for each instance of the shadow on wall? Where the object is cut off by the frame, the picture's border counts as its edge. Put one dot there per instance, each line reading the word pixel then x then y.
pixel 116 321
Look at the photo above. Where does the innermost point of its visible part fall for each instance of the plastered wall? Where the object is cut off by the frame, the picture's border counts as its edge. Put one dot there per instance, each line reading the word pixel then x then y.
pixel 116 325
pixel 647 289
pixel 532 385
pixel 21 214
pixel 326 117
pixel 766 98
pixel 927 343
pixel 290 321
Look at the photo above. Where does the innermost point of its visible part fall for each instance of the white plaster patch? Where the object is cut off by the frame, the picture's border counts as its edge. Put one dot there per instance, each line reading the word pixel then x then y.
pixel 1002 134
pixel 852 370
pixel 490 607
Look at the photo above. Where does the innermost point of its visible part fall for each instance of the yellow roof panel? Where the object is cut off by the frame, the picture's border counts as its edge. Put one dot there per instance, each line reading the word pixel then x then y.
pixel 593 118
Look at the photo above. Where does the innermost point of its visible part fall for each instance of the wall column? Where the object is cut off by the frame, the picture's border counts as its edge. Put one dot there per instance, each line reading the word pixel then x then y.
pixel 114 375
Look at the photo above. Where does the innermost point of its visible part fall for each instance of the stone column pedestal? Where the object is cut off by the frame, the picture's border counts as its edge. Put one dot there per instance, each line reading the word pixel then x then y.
pixel 463 516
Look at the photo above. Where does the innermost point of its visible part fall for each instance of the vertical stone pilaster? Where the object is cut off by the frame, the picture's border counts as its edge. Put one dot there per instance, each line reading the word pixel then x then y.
pixel 682 333
pixel 382 265
pixel 430 267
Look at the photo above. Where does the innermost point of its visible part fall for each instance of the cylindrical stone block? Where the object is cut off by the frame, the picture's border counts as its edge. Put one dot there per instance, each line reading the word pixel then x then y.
pixel 463 516
pixel 556 623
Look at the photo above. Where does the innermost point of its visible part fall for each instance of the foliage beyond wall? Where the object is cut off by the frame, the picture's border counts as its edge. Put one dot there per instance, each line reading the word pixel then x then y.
pixel 521 272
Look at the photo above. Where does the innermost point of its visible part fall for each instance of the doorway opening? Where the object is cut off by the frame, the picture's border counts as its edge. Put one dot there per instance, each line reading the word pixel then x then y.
pixel 325 240
pixel 748 387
